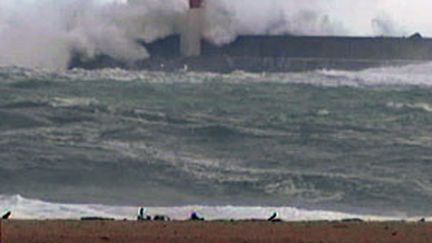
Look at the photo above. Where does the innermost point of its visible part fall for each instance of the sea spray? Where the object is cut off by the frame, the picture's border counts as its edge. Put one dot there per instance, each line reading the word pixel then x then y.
pixel 112 27
pixel 89 27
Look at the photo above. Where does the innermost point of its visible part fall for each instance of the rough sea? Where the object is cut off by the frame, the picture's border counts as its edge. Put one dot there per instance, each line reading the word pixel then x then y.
pixel 324 144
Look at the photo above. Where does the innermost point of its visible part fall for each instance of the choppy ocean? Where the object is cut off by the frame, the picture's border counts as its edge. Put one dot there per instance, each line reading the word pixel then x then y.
pixel 316 145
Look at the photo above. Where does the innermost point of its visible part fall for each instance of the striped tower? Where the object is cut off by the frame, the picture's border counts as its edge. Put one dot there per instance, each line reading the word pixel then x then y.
pixel 191 35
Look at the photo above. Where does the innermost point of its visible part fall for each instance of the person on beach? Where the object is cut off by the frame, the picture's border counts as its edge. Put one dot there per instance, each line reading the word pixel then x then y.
pixel 274 217
pixel 7 215
pixel 195 217
pixel 142 216
pixel 160 217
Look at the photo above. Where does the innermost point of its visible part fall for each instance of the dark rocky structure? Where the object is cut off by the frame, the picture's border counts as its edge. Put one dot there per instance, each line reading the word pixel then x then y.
pixel 276 54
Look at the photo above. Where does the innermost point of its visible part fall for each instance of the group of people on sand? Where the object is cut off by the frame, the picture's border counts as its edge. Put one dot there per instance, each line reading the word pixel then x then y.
pixel 143 216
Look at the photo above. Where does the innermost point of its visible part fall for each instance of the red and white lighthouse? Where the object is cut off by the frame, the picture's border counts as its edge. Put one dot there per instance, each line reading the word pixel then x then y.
pixel 192 29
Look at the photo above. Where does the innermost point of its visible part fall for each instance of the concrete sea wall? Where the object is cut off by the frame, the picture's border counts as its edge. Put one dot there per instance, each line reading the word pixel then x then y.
pixel 278 54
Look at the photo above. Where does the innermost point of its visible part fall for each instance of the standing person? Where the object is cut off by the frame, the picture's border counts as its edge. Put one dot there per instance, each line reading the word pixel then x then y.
pixel 142 216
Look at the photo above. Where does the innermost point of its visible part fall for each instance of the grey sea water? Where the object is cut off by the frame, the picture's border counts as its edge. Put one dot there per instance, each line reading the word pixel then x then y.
pixel 356 142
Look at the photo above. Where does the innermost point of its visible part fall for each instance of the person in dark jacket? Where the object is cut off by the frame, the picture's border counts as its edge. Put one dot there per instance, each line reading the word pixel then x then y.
pixel 195 217
pixel 7 215
pixel 142 216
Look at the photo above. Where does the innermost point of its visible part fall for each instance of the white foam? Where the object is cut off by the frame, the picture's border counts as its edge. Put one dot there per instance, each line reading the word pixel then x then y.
pixel 417 106
pixel 73 102
pixel 414 75
pixel 418 75
pixel 23 208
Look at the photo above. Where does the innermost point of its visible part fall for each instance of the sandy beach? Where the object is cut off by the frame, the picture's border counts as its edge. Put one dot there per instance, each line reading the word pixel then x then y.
pixel 51 231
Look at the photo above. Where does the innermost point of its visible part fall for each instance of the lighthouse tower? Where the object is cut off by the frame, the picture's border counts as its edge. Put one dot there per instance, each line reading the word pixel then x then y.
pixel 191 35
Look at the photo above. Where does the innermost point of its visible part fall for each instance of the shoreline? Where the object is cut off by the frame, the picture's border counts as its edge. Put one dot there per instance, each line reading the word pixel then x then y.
pixel 66 231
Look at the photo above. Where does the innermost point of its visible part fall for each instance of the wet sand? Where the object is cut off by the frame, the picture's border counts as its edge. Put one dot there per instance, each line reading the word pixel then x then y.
pixel 52 231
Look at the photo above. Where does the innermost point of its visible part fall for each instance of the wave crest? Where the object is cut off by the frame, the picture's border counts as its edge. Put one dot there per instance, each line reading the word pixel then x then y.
pixel 418 75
